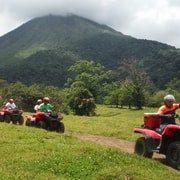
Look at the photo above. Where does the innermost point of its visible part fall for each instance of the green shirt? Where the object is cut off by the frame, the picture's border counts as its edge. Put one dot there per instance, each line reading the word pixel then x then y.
pixel 45 107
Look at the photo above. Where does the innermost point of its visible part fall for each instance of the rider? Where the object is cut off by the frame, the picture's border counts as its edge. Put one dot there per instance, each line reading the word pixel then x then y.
pixel 36 107
pixel 45 106
pixel 10 104
pixel 168 109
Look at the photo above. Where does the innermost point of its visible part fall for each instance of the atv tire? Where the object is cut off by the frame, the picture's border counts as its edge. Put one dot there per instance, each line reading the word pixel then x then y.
pixel 7 119
pixel 21 120
pixel 42 124
pixel 1 118
pixel 141 148
pixel 61 128
pixel 28 123
pixel 173 155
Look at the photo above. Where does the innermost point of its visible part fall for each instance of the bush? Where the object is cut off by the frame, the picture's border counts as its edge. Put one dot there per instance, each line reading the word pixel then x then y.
pixel 82 102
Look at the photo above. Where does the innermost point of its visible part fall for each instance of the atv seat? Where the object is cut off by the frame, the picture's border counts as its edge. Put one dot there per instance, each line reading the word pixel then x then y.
pixel 151 120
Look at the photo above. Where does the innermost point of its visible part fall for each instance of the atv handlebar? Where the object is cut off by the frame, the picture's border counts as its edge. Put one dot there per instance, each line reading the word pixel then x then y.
pixel 169 115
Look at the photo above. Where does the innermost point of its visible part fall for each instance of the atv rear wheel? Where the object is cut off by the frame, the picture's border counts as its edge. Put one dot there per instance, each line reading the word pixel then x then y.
pixel 42 124
pixel 173 155
pixel 141 148
pixel 7 119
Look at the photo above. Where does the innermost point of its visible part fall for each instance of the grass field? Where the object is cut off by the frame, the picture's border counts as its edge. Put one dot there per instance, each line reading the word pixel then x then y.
pixel 31 153
pixel 111 122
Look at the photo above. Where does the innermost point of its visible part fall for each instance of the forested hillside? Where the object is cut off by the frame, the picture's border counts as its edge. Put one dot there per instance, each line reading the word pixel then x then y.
pixel 42 50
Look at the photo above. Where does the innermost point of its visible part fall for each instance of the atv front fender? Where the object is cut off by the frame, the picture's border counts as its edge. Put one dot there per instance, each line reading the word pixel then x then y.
pixel 148 132
pixel 170 129
pixel 30 118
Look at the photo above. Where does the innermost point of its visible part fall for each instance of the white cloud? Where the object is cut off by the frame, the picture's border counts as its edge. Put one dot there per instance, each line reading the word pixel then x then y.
pixel 150 19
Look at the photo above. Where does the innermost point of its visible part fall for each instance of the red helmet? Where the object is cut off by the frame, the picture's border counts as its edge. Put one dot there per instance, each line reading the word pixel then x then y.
pixel 45 99
pixel 39 101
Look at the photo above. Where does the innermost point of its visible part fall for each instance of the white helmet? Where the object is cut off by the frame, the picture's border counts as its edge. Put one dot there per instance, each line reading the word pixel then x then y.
pixel 169 97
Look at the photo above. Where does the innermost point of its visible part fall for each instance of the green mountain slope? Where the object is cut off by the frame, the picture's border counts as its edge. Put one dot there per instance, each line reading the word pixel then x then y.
pixel 42 50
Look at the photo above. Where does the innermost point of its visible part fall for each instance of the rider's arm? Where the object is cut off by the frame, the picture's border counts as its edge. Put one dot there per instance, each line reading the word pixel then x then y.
pixel 162 110
pixel 176 106
pixel 14 105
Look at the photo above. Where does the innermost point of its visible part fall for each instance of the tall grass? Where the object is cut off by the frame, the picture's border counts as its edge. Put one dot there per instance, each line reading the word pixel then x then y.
pixel 31 153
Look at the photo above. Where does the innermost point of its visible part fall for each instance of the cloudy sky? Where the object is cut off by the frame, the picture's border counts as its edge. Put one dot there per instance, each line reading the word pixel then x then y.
pixel 157 20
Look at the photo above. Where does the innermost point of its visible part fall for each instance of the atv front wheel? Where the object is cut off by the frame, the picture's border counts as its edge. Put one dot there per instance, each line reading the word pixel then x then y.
pixel 1 118
pixel 28 123
pixel 141 148
pixel 61 128
pixel 173 155
pixel 21 120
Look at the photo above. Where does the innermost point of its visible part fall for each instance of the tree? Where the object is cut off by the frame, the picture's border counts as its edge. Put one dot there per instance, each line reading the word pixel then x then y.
pixel 18 92
pixel 126 93
pixel 85 85
pixel 91 75
pixel 174 84
pixel 156 99
pixel 136 82
pixel 26 96
pixel 113 94
pixel 81 100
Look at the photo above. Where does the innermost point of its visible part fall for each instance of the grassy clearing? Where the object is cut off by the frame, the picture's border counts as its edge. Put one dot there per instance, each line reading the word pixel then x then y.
pixel 111 122
pixel 30 153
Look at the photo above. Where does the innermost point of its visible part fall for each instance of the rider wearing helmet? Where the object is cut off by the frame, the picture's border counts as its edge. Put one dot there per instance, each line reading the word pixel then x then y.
pixel 169 109
pixel 10 104
pixel 36 107
pixel 45 106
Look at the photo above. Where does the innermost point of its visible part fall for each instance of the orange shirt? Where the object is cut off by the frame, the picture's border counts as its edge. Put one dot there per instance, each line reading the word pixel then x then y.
pixel 166 110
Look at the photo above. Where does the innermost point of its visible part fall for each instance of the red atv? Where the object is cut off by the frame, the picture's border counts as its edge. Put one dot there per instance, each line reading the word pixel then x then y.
pixel 47 120
pixel 152 136
pixel 11 115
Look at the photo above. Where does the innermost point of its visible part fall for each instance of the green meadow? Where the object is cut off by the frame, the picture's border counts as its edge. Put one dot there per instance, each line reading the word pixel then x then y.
pixel 32 153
